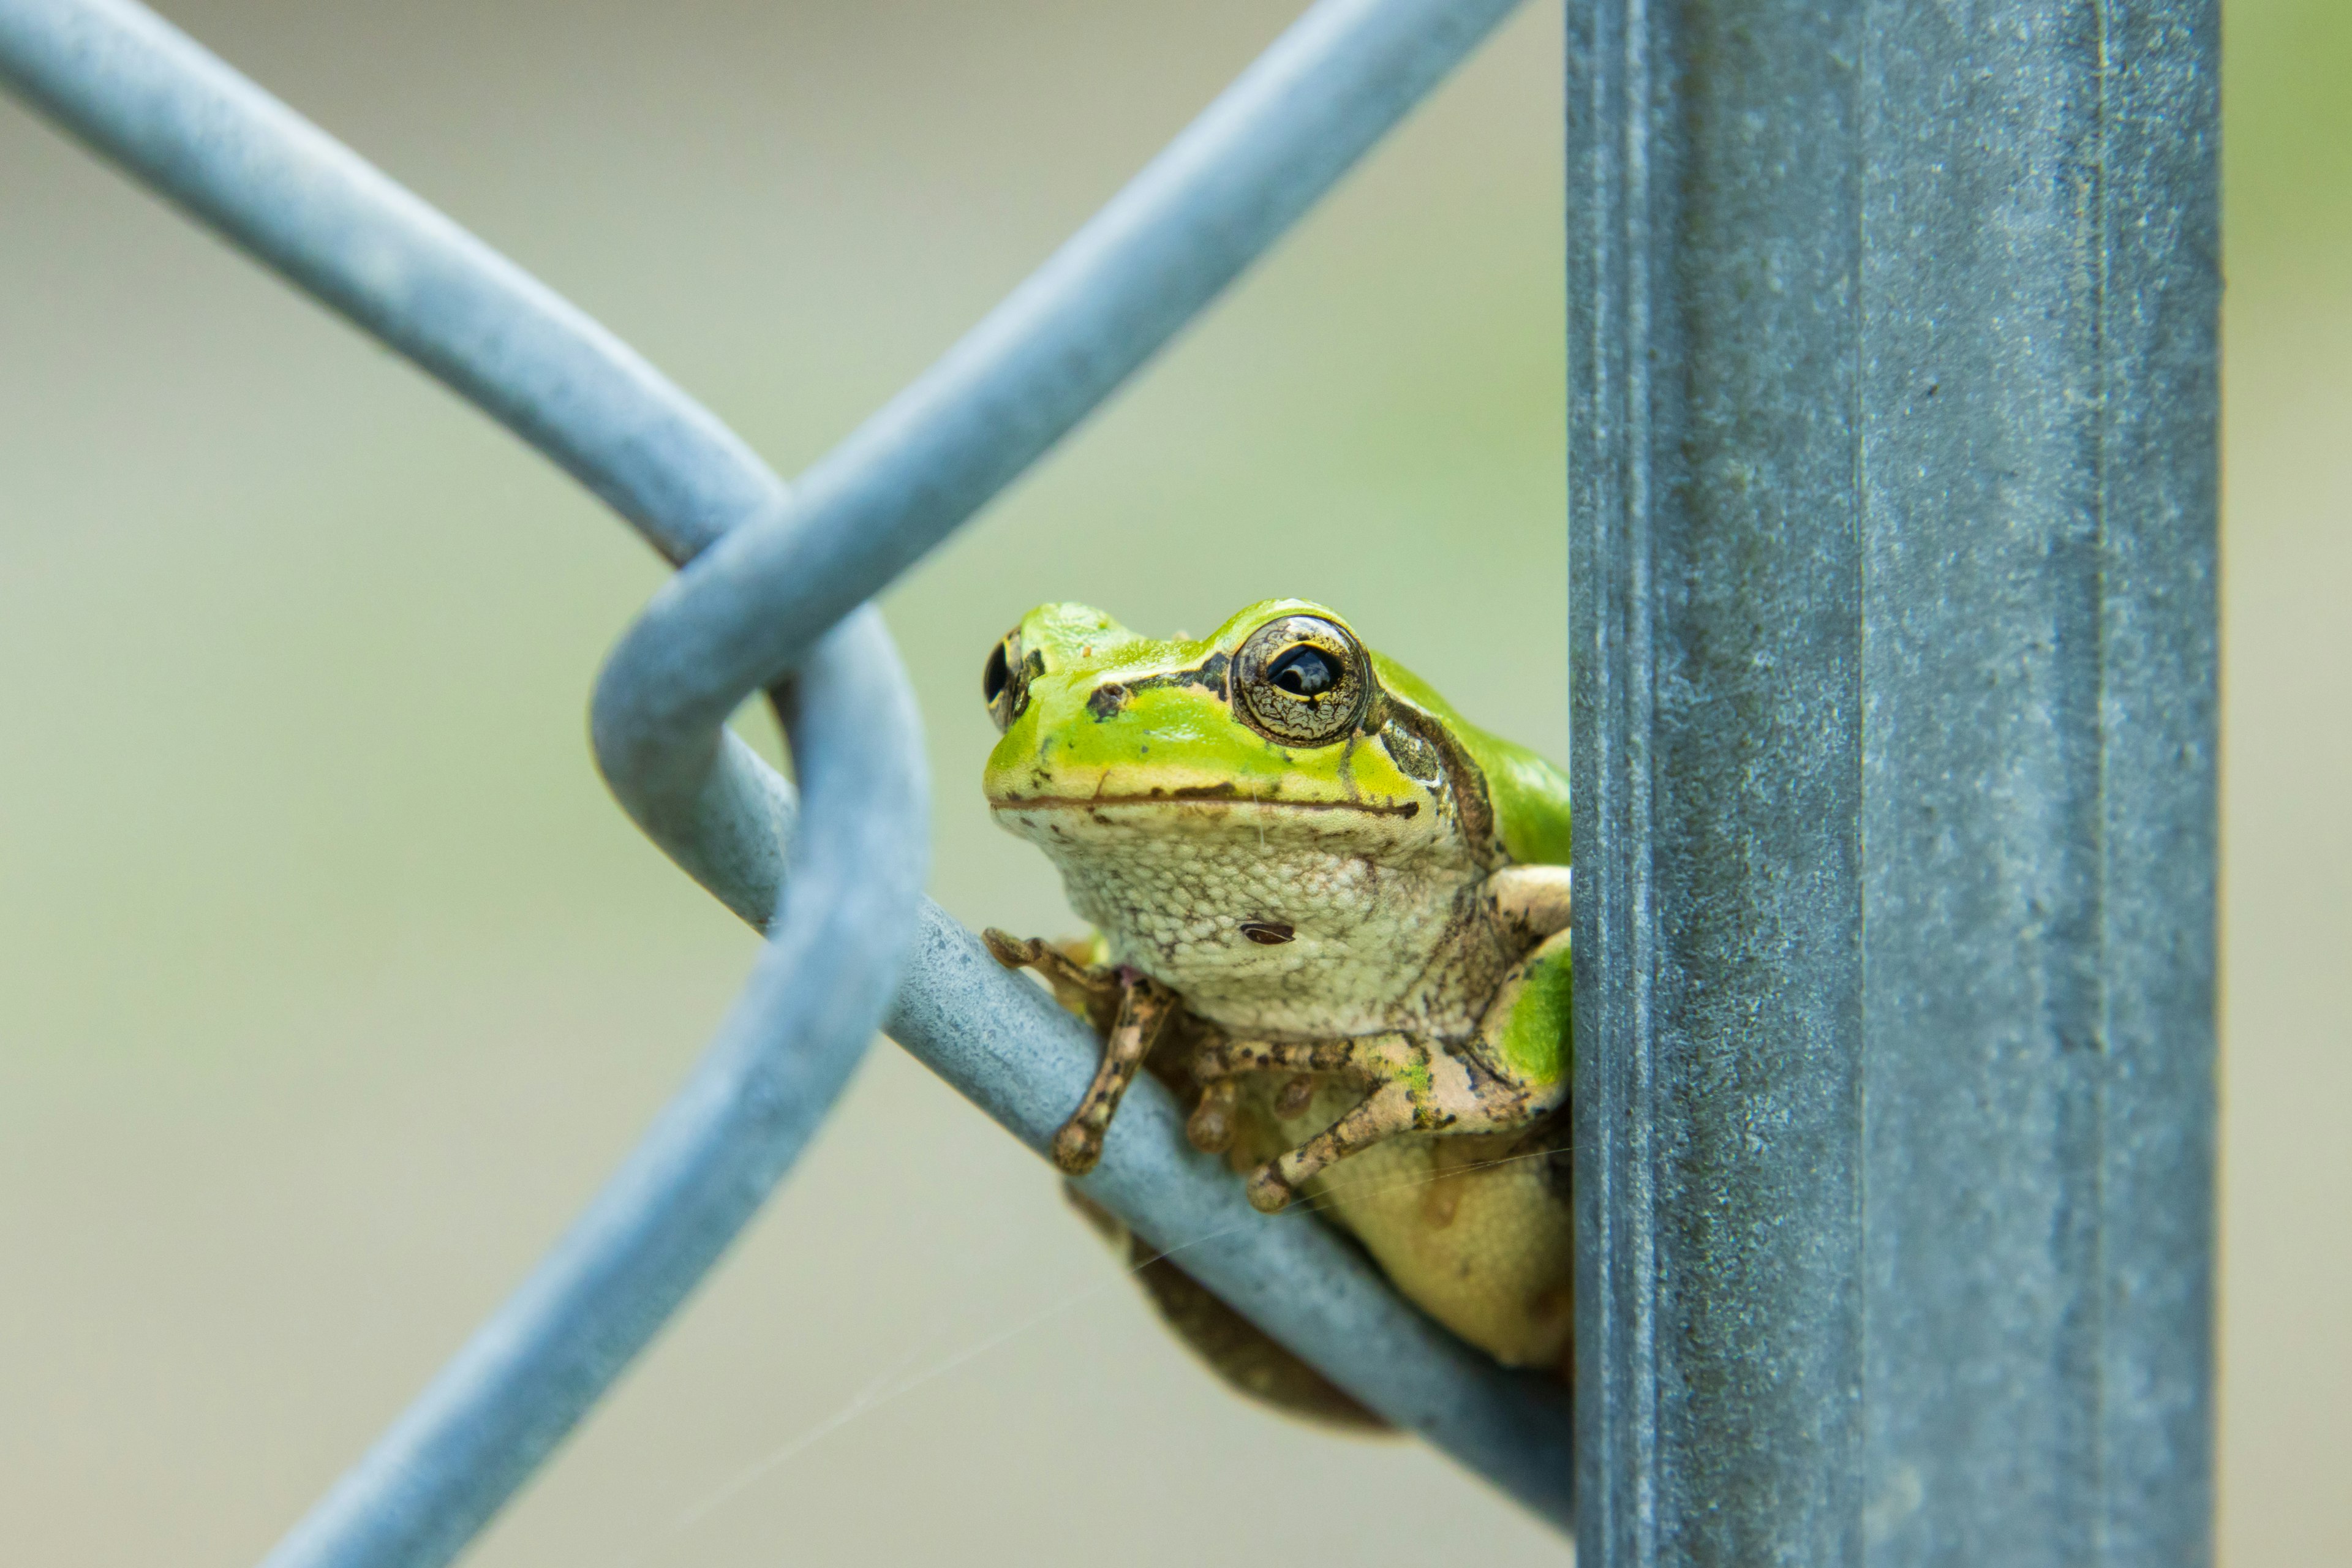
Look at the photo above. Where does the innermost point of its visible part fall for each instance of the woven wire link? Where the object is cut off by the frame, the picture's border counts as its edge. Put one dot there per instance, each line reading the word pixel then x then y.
pixel 770 598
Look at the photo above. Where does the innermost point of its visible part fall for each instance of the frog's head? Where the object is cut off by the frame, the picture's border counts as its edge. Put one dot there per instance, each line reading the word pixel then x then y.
pixel 1280 721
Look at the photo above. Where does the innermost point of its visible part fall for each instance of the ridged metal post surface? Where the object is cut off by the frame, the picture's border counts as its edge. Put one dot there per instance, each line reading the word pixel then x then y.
pixel 1892 429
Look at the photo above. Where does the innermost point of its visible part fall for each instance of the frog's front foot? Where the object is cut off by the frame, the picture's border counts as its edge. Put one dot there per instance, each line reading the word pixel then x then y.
pixel 1137 1005
pixel 1392 1063
pixel 1143 1008
pixel 1089 989
pixel 1394 1105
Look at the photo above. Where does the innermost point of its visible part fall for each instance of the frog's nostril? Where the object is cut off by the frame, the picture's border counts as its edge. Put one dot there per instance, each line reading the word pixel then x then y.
pixel 1106 699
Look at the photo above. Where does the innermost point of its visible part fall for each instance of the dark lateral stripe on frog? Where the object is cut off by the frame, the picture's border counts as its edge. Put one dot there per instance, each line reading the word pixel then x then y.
pixel 1111 695
pixel 1209 795
pixel 1469 791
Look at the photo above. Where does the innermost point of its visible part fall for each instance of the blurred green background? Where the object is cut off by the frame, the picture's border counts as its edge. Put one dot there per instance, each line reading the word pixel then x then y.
pixel 330 981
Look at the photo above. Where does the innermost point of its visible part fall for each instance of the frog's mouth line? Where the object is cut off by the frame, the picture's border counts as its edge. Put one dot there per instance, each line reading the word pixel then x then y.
pixel 1220 794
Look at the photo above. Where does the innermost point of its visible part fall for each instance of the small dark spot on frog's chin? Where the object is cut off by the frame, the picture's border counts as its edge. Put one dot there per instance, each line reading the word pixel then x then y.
pixel 1269 934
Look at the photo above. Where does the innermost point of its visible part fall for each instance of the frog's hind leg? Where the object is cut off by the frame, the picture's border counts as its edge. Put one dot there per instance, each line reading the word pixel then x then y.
pixel 1526 1039
pixel 1512 1073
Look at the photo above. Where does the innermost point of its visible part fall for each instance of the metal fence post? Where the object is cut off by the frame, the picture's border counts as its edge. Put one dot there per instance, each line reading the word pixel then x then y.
pixel 1893 480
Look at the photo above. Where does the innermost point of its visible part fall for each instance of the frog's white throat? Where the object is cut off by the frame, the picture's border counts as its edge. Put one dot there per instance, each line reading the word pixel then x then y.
pixel 1386 930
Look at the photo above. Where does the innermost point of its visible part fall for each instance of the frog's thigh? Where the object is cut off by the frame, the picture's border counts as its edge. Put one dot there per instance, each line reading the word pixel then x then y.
pixel 1524 1040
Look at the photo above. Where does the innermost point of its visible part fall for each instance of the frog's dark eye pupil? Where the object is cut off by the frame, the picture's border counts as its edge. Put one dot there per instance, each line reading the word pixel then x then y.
pixel 1304 671
pixel 993 679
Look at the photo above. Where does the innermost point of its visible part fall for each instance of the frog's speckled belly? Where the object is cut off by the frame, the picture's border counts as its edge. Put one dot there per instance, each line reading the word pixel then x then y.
pixel 1391 939
pixel 1478 1230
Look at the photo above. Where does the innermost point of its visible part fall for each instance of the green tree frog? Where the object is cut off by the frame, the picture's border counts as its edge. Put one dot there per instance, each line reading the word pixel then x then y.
pixel 1333 914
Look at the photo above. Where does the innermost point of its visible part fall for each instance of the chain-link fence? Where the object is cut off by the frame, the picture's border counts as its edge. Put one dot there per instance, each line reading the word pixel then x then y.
pixel 1892 475
pixel 768 599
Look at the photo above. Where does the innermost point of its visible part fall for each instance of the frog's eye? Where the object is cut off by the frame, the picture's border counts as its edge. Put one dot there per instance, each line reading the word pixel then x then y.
pixel 1004 682
pixel 1302 680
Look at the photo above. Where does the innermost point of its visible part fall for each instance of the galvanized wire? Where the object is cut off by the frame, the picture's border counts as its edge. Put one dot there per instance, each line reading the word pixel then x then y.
pixel 1226 188
pixel 770 572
